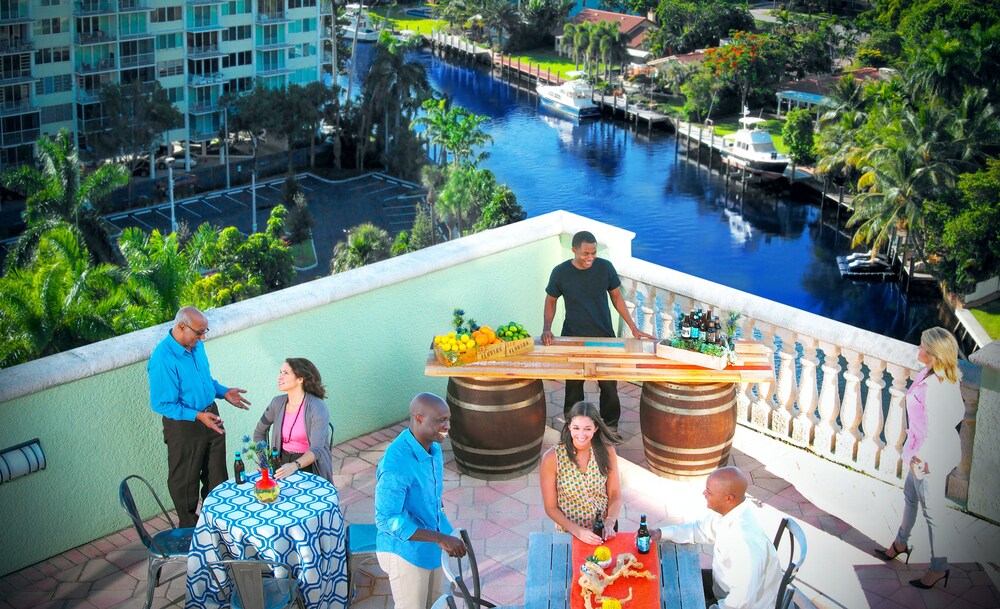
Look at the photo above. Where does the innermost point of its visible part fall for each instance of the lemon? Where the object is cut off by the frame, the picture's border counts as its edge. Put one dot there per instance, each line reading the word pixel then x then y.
pixel 451 335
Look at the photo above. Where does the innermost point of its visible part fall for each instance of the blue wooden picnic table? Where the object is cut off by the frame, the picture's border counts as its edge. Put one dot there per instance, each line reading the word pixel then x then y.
pixel 550 575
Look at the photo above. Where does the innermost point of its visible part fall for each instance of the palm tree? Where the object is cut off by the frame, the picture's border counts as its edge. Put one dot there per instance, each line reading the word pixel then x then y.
pixel 455 130
pixel 160 271
pixel 613 46
pixel 394 89
pixel 363 244
pixel 465 191
pixel 58 301
pixel 56 192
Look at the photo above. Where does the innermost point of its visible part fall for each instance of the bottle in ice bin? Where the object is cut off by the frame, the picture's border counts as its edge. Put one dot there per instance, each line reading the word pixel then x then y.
pixel 642 539
pixel 599 524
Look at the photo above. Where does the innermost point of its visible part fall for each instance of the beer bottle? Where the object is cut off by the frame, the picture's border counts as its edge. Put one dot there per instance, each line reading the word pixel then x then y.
pixel 238 468
pixel 713 336
pixel 686 327
pixel 695 326
pixel 599 524
pixel 642 539
pixel 274 461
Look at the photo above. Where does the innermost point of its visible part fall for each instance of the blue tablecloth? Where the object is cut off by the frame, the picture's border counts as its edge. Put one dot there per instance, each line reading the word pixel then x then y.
pixel 304 528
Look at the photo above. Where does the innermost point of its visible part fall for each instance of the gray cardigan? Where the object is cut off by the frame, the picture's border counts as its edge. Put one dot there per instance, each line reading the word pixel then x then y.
pixel 317 419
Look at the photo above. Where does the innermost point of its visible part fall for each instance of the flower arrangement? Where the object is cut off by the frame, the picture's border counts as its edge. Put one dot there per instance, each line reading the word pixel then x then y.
pixel 463 326
pixel 258 453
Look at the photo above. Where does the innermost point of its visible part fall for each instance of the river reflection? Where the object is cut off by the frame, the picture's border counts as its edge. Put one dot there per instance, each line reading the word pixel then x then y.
pixel 683 216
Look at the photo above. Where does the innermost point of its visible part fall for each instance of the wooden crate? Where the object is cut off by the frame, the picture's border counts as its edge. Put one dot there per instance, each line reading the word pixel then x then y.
pixel 691 357
pixel 517 347
pixel 491 352
pixel 454 358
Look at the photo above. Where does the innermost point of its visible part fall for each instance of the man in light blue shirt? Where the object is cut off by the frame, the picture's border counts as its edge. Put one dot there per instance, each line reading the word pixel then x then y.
pixel 409 514
pixel 182 390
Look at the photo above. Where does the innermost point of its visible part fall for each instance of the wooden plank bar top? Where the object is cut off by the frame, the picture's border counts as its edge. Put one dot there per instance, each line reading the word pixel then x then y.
pixel 617 359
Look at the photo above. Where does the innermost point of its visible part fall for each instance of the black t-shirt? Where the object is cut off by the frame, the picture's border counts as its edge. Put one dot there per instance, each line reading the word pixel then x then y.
pixel 585 295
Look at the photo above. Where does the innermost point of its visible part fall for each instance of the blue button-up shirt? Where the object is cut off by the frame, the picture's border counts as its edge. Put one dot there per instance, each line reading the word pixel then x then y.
pixel 180 383
pixel 408 492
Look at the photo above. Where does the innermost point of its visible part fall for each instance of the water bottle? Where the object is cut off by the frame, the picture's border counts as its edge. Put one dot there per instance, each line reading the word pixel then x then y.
pixel 238 469
pixel 599 525
pixel 642 539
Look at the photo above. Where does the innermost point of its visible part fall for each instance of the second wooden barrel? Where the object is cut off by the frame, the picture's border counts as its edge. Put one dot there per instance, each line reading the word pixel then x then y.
pixel 496 426
pixel 687 429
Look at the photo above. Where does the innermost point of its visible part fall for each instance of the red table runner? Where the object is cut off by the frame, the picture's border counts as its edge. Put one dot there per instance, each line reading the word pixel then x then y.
pixel 645 592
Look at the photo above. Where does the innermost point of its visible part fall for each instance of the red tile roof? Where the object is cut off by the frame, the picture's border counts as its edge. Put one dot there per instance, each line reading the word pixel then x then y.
pixel 633 26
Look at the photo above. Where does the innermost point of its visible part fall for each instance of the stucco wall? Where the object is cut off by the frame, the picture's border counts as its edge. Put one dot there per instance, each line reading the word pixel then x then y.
pixel 984 479
pixel 367 330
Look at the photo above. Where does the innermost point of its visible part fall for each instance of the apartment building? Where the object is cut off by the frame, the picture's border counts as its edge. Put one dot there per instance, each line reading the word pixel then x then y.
pixel 57 54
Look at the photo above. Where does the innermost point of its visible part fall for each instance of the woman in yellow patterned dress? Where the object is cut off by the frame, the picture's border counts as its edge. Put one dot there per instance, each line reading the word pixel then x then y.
pixel 579 476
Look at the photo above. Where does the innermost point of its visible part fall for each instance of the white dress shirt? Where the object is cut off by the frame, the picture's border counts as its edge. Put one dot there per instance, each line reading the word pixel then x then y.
pixel 745 567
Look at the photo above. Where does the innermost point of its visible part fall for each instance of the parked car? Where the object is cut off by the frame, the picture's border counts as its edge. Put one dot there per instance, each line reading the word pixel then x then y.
pixel 183 182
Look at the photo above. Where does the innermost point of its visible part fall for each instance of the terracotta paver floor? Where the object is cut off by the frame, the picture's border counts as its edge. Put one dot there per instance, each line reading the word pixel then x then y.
pixel 844 514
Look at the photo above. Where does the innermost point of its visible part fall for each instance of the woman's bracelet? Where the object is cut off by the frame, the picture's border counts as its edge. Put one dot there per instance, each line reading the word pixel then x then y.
pixel 297 466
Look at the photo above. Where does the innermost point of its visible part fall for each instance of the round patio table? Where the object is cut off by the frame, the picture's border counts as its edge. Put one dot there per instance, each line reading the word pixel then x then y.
pixel 304 528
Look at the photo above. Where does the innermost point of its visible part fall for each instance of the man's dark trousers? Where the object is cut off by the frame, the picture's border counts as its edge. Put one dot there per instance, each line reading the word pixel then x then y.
pixel 196 456
pixel 611 406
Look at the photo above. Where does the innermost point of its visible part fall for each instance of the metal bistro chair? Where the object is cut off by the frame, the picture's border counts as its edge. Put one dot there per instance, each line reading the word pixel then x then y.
pixel 796 539
pixel 360 547
pixel 794 599
pixel 445 601
pixel 255 587
pixel 170 546
pixel 457 575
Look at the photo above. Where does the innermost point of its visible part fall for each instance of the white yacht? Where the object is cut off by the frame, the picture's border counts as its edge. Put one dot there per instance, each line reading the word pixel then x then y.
pixel 573 97
pixel 359 24
pixel 752 148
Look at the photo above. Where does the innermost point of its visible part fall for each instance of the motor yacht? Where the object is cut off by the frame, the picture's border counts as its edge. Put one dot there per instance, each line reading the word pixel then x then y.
pixel 751 148
pixel 573 97
pixel 359 24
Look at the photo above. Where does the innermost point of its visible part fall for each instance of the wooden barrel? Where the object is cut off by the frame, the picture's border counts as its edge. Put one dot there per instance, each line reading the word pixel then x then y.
pixel 687 429
pixel 496 425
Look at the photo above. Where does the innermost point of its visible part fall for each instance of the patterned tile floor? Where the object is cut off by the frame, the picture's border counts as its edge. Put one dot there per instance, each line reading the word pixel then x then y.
pixel 839 572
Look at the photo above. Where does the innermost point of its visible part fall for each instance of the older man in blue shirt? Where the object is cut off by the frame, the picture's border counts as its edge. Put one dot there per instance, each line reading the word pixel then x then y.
pixel 182 390
pixel 409 514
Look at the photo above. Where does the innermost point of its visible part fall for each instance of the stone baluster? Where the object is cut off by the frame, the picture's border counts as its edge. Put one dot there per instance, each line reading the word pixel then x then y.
pixel 829 400
pixel 808 394
pixel 786 390
pixel 667 315
pixel 743 390
pixel 762 405
pixel 895 424
pixel 846 444
pixel 871 444
pixel 648 322
pixel 958 481
pixel 684 302
pixel 629 291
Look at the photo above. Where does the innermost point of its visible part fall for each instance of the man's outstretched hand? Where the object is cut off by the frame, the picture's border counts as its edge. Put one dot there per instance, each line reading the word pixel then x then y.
pixel 234 395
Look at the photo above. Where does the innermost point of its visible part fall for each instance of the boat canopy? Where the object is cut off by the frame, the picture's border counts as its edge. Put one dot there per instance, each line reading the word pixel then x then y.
pixel 749 121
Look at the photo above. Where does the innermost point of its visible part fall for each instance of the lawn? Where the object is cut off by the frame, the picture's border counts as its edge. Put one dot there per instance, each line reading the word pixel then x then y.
pixel 401 20
pixel 988 317
pixel 303 254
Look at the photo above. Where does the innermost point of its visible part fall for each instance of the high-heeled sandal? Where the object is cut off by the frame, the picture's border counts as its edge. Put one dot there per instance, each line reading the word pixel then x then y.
pixel 884 554
pixel 919 583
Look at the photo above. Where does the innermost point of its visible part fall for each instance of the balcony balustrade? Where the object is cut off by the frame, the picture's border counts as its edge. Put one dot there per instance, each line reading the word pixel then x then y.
pixel 102 65
pixel 18 13
pixel 98 37
pixel 204 107
pixel 12 77
pixel 16 46
pixel 204 80
pixel 129 6
pixel 209 50
pixel 17 138
pixel 133 61
pixel 838 391
pixel 94 8
pixel 271 17
pixel 88 96
pixel 15 107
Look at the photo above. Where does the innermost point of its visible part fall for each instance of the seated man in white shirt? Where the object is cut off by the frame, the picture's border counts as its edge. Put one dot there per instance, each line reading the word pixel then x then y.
pixel 745 569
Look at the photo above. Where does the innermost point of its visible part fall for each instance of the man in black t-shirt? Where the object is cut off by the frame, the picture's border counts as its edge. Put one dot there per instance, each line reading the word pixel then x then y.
pixel 584 282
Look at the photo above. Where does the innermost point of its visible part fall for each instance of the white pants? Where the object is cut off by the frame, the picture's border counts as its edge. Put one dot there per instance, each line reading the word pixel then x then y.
pixel 412 587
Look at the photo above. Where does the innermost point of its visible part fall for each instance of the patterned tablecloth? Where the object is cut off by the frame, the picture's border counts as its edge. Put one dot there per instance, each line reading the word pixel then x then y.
pixel 304 528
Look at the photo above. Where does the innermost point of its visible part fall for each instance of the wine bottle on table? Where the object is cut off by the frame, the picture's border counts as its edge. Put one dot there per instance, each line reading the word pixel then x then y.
pixel 238 469
pixel 642 539
pixel 599 525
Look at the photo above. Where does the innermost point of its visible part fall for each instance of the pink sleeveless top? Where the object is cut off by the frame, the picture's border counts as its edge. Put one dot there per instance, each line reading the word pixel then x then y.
pixel 293 432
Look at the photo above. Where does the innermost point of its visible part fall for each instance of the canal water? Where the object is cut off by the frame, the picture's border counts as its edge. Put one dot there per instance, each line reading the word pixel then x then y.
pixel 766 245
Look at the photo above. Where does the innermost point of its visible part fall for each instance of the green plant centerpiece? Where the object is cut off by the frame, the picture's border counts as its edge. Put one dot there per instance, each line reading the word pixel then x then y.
pixel 699 332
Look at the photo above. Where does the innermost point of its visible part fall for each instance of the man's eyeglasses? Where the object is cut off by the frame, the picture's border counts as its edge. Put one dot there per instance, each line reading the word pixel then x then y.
pixel 196 332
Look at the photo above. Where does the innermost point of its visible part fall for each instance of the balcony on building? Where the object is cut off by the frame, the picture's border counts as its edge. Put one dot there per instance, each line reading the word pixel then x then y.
pixel 16 76
pixel 94 7
pixel 133 6
pixel 204 52
pixel 95 37
pixel 14 12
pixel 16 38
pixel 272 17
pixel 272 44
pixel 135 61
pixel 204 80
pixel 836 402
pixel 207 107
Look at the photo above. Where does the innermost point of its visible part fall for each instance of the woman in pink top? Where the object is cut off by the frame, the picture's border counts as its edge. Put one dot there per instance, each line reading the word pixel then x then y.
pixel 299 421
pixel 934 408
